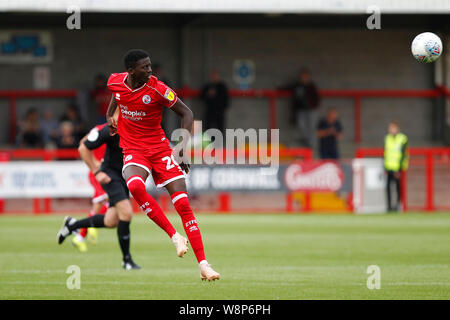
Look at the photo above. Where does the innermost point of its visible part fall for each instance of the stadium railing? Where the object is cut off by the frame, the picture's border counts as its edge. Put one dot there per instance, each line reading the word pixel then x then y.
pixel 423 161
pixel 271 94
pixel 44 205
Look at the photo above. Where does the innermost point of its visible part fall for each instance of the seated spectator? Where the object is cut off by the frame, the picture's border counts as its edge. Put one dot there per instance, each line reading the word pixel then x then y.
pixel 50 129
pixel 101 96
pixel 30 133
pixel 329 131
pixel 67 139
pixel 71 115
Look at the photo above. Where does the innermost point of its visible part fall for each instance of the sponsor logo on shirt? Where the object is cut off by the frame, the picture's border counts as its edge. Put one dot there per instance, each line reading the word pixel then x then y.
pixel 169 95
pixel 131 115
pixel 146 99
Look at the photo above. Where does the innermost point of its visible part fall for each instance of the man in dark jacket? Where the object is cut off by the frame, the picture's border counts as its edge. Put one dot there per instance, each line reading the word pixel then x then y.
pixel 215 96
pixel 305 104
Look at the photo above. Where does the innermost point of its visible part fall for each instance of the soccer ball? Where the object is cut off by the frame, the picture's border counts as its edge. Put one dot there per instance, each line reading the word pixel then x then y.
pixel 426 47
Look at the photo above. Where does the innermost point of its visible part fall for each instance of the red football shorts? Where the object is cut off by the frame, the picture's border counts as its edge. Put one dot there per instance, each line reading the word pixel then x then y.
pixel 159 162
pixel 99 193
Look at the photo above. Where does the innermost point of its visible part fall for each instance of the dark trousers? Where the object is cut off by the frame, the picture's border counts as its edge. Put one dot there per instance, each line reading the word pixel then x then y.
pixel 391 179
pixel 215 119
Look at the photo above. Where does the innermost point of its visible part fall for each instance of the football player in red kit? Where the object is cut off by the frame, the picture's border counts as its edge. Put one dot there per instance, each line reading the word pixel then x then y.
pixel 141 98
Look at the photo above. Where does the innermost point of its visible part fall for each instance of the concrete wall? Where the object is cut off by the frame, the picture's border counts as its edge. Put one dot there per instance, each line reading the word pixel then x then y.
pixel 338 59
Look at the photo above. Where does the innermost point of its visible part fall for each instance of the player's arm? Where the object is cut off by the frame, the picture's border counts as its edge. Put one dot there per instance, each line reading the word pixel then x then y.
pixel 187 118
pixel 88 156
pixel 92 141
pixel 110 115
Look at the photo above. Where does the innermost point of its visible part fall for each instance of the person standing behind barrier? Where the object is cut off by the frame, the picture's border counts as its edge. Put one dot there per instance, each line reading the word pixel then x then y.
pixel 216 99
pixel 305 104
pixel 329 131
pixel 395 161
pixel 101 96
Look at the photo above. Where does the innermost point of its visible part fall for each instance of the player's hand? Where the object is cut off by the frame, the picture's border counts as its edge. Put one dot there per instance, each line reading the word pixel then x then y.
pixel 185 167
pixel 103 178
pixel 112 123
pixel 182 160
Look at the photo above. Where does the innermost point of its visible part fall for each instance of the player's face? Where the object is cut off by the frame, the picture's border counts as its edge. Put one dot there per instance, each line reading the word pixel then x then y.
pixel 143 70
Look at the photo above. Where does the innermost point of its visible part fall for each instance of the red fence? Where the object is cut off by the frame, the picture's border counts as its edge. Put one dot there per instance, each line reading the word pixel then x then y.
pixel 270 94
pixel 223 198
pixel 426 157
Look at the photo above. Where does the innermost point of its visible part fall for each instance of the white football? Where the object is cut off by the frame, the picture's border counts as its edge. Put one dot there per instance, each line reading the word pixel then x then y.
pixel 426 47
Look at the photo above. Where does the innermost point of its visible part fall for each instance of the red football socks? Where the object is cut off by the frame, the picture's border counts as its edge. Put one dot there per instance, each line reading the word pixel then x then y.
pixel 136 185
pixel 181 204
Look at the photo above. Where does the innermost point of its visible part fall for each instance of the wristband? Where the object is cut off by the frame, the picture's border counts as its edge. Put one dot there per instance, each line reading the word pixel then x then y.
pixel 98 171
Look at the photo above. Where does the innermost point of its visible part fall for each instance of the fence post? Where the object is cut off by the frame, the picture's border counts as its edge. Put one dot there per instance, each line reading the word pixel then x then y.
pixel 403 183
pixel 36 205
pixel 224 202
pixel 357 111
pixel 48 205
pixel 308 201
pixel 289 205
pixel 430 181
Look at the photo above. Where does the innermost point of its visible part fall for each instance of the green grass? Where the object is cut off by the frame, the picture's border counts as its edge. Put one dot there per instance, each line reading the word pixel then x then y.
pixel 275 256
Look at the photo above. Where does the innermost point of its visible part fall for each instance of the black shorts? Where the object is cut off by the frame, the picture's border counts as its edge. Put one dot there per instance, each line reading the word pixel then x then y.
pixel 117 189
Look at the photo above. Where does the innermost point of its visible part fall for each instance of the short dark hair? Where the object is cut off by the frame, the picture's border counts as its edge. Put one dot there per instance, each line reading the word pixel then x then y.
pixel 133 56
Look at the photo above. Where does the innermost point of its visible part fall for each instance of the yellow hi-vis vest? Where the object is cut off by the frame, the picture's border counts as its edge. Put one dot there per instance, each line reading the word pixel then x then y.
pixel 393 152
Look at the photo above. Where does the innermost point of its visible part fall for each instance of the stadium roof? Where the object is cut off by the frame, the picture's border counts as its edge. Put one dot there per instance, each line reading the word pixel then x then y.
pixel 232 6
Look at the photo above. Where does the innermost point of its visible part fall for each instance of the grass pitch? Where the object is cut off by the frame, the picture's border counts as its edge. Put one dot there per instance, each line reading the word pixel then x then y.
pixel 275 256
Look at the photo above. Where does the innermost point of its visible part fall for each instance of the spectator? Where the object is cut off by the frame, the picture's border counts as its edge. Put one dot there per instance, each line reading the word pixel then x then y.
pixel 329 131
pixel 305 104
pixel 101 96
pixel 216 99
pixel 395 161
pixel 30 133
pixel 67 139
pixel 71 115
pixel 50 129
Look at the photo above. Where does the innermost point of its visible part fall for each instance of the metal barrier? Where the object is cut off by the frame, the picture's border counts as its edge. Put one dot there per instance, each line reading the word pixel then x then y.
pixel 223 198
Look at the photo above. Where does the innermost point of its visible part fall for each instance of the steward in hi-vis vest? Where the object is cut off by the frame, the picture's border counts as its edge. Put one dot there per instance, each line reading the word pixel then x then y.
pixel 395 161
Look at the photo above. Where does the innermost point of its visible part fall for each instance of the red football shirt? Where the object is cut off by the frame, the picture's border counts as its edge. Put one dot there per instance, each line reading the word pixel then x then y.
pixel 139 123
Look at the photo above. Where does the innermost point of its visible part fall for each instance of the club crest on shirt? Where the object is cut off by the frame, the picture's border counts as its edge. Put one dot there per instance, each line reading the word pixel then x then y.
pixel 146 99
pixel 169 95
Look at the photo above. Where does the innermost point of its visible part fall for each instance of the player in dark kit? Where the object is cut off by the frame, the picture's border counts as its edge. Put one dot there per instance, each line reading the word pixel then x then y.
pixel 141 98
pixel 110 177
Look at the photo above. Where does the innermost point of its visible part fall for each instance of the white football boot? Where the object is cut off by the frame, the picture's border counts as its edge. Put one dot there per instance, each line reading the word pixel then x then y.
pixel 180 243
pixel 207 273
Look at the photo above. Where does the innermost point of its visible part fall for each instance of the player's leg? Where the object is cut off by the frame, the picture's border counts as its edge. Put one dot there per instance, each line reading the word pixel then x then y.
pixel 92 233
pixel 135 177
pixel 99 206
pixel 125 213
pixel 70 224
pixel 178 193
